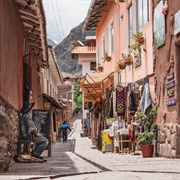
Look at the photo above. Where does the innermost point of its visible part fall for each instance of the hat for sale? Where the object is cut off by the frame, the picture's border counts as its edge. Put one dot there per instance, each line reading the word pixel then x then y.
pixel 26 107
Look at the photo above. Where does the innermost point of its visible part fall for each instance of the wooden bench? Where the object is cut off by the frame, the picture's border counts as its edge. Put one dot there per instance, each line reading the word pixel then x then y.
pixel 24 146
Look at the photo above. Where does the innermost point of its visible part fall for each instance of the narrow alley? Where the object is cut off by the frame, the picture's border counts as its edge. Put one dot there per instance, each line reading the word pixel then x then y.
pixel 64 164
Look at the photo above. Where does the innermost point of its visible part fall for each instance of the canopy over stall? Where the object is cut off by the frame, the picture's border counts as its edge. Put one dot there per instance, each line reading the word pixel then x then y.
pixel 95 85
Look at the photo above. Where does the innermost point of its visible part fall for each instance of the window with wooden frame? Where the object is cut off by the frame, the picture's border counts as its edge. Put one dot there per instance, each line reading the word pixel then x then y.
pixel 92 66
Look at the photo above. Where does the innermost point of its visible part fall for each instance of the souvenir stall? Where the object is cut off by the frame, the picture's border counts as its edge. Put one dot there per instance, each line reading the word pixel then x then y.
pixel 135 108
pixel 97 88
pixel 127 100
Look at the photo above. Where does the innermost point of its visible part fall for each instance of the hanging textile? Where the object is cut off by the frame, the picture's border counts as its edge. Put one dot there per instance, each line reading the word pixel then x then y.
pixel 120 101
pixel 145 104
pixel 132 102
pixel 109 104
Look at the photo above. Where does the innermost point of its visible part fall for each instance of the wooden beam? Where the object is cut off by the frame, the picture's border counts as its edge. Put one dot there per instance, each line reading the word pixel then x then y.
pixel 26 9
pixel 30 16
pixel 30 29
pixel 36 40
pixel 36 47
pixel 32 23
pixel 31 35
pixel 93 24
pixel 34 43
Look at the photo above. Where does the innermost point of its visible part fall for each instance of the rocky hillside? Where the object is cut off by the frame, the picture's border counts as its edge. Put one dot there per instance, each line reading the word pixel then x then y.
pixel 63 50
pixel 52 43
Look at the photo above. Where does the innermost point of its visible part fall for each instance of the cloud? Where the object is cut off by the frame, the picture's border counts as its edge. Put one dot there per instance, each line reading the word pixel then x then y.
pixel 63 15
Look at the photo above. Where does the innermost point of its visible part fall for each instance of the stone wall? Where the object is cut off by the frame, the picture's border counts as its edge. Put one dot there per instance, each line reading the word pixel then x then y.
pixel 168 140
pixel 8 134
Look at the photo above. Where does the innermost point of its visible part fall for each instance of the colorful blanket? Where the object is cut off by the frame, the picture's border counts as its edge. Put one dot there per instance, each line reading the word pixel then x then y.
pixel 120 101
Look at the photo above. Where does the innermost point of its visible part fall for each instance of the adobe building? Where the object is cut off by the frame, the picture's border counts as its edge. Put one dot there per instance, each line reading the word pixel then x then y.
pixel 23 52
pixel 167 75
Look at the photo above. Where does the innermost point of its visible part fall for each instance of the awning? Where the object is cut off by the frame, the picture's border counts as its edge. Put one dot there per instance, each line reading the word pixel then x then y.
pixel 53 101
pixel 94 13
pixel 94 85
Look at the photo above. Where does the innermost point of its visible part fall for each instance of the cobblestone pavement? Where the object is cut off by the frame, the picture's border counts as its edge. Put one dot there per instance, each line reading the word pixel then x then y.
pixel 67 165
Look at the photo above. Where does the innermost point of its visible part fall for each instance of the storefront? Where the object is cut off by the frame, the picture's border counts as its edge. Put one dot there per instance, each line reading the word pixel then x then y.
pixel 56 114
pixel 97 91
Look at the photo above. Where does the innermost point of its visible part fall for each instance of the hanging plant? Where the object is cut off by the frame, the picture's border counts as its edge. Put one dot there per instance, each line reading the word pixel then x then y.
pixel 127 59
pixel 138 37
pixel 121 65
pixel 137 41
pixel 106 57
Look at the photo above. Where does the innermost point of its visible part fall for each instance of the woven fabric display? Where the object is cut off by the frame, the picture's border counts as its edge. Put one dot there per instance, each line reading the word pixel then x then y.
pixel 120 101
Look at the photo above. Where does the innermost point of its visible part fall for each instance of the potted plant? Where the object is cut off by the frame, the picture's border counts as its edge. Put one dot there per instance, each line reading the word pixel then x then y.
pixel 138 37
pixel 106 57
pixel 153 114
pixel 145 141
pixel 154 127
pixel 127 59
pixel 143 121
pixel 121 65
pixel 135 49
pixel 140 117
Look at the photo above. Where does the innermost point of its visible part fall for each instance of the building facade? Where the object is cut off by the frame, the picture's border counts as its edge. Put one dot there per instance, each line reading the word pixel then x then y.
pixel 166 57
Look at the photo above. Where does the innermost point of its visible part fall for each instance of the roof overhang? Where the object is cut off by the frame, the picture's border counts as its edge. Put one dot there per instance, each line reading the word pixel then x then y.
pixel 83 50
pixel 33 19
pixel 94 13
pixel 94 85
pixel 54 67
pixel 52 101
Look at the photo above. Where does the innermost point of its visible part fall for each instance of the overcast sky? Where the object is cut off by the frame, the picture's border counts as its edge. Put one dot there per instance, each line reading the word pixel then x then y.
pixel 63 15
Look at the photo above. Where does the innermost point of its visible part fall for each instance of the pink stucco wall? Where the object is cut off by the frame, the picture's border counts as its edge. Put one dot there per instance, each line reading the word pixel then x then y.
pixel 130 74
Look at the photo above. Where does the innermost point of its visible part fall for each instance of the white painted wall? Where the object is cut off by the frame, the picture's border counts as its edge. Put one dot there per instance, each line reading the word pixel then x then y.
pixel 85 61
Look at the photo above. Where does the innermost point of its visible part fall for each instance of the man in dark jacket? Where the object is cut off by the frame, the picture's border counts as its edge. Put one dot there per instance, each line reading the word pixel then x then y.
pixel 64 128
pixel 28 131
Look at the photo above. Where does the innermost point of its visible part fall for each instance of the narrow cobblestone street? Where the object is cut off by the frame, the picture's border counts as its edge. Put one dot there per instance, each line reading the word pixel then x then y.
pixel 64 164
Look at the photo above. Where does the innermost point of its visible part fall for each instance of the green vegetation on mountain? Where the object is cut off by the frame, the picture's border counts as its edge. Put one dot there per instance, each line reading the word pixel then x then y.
pixel 77 96
pixel 63 50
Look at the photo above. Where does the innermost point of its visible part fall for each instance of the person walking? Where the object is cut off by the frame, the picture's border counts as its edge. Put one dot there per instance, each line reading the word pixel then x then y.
pixel 88 124
pixel 64 128
pixel 28 130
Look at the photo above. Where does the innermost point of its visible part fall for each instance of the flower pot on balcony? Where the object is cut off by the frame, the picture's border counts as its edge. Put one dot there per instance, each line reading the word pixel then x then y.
pixel 127 61
pixel 122 66
pixel 140 40
pixel 108 58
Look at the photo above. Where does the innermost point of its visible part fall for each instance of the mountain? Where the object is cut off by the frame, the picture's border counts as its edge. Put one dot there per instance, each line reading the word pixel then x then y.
pixel 63 50
pixel 52 43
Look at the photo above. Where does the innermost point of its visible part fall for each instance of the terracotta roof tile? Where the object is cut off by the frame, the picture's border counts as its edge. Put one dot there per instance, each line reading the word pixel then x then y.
pixel 84 50
pixel 90 37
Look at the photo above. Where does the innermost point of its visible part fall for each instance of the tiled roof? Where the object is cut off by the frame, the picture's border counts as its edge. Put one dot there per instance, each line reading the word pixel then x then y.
pixel 90 37
pixel 84 50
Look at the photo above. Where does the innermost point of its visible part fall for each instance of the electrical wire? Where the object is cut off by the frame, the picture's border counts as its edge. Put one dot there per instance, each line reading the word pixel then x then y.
pixel 60 18
pixel 56 21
